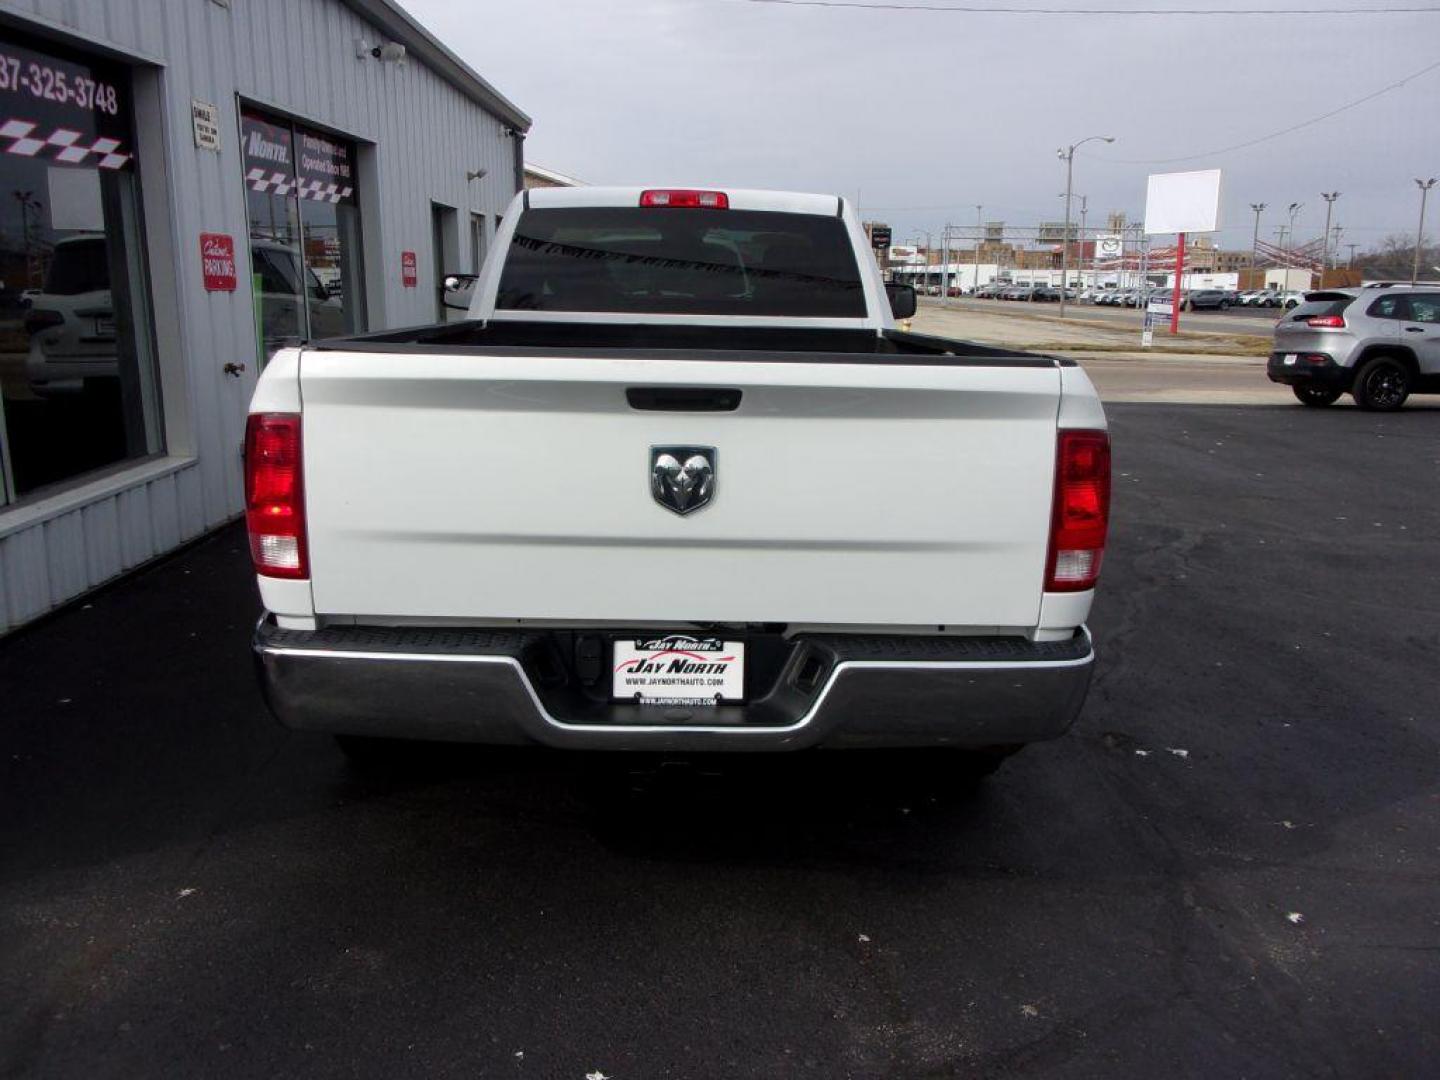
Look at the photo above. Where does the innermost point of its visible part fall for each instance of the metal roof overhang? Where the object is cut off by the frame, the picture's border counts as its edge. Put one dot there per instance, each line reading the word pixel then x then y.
pixel 400 26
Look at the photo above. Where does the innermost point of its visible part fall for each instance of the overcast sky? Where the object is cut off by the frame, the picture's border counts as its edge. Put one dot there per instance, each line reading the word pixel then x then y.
pixel 924 114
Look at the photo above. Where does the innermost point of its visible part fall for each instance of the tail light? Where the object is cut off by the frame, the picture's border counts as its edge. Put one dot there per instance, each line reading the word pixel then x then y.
pixel 695 200
pixel 1080 518
pixel 38 319
pixel 275 495
pixel 1330 322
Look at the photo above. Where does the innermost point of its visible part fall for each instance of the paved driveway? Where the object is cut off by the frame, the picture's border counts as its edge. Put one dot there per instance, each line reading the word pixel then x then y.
pixel 1230 868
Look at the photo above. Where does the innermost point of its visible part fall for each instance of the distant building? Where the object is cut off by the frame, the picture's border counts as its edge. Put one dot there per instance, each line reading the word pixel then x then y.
pixel 537 176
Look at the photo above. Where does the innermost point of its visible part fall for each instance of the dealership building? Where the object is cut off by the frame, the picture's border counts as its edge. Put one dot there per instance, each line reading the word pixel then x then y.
pixel 186 185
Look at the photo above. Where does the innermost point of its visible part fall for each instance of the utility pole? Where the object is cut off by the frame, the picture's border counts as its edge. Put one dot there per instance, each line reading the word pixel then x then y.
pixel 1084 209
pixel 1351 264
pixel 979 235
pixel 1329 197
pixel 1335 235
pixel 945 266
pixel 1067 155
pixel 1425 186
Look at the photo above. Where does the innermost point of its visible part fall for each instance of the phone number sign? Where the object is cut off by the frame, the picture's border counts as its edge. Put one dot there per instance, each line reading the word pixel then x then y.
pixel 47 79
pixel 63 111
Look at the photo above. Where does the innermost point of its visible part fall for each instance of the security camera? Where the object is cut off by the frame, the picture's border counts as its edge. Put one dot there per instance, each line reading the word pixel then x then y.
pixel 393 53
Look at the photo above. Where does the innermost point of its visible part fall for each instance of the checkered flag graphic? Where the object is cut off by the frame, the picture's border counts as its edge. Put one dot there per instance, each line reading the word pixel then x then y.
pixel 268 181
pixel 62 144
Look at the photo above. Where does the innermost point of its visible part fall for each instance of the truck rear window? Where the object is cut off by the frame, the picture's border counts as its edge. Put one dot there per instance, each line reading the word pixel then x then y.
pixel 666 260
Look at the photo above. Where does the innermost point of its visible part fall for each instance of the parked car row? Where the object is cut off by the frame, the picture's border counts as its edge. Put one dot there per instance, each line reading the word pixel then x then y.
pixel 1009 291
pixel 1138 297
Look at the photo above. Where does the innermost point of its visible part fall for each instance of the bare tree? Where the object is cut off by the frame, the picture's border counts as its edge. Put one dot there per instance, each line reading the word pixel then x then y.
pixel 1392 258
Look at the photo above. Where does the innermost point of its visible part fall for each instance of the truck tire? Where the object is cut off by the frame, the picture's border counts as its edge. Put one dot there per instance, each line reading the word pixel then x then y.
pixel 1382 384
pixel 1316 395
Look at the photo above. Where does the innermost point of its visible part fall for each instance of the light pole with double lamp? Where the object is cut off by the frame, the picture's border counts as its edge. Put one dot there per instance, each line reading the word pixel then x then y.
pixel 1329 197
pixel 1425 186
pixel 1067 155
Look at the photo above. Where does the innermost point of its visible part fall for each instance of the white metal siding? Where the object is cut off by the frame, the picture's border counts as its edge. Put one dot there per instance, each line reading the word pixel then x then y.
pixel 419 136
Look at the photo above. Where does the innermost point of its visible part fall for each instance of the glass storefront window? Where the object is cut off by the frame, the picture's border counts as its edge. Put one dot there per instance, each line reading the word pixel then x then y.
pixel 77 375
pixel 304 220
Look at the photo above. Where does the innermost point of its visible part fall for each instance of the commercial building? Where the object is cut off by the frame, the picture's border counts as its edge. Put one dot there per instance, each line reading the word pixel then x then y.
pixel 537 176
pixel 184 186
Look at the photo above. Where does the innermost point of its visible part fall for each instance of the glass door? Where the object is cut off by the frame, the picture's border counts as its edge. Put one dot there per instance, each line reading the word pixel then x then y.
pixel 305 254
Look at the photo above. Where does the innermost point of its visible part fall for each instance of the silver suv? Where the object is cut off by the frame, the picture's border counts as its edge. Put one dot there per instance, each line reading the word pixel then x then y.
pixel 1381 343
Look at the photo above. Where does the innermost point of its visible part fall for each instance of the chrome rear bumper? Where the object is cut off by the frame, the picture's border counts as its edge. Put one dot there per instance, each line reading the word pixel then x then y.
pixel 500 687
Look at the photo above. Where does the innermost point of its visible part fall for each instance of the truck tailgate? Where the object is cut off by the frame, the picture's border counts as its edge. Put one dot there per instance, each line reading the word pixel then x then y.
pixel 475 486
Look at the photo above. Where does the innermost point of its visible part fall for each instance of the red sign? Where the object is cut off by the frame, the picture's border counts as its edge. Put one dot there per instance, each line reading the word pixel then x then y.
pixel 217 259
pixel 409 273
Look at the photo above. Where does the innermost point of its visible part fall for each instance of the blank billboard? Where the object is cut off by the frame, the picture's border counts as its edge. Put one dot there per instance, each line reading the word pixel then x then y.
pixel 1183 202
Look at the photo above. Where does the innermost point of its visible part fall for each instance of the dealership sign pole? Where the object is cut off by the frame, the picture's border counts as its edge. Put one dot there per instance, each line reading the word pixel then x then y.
pixel 1182 203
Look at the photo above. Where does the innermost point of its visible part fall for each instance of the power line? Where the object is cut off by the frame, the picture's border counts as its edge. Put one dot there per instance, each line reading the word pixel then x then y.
pixel 971 9
pixel 1274 134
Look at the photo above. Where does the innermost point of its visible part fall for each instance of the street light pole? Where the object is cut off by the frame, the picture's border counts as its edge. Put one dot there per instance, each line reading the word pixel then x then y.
pixel 1259 208
pixel 979 232
pixel 1295 209
pixel 1425 186
pixel 1329 197
pixel 1067 155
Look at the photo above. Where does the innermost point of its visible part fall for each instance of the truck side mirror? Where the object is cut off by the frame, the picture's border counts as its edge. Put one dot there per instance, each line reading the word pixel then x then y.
pixel 902 299
pixel 459 289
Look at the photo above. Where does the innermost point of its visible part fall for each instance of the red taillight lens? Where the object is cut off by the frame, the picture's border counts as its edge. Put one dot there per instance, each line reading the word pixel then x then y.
pixel 701 200
pixel 275 495
pixel 1333 322
pixel 1081 515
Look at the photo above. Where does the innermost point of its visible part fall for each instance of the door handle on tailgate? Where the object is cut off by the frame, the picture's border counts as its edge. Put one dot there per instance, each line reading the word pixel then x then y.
pixel 683 398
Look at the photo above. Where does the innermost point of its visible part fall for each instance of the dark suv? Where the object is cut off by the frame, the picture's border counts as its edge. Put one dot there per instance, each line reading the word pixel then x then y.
pixel 1380 343
pixel 1218 299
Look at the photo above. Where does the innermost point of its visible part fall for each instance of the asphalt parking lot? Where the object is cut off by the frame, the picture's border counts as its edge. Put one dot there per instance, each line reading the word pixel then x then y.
pixel 1230 868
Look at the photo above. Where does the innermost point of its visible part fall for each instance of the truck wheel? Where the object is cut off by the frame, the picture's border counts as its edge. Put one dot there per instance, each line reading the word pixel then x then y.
pixel 1316 395
pixel 1381 385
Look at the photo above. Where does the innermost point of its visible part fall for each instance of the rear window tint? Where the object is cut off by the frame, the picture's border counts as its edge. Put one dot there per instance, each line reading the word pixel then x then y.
pixel 665 260
pixel 1311 308
pixel 1388 307
pixel 1424 307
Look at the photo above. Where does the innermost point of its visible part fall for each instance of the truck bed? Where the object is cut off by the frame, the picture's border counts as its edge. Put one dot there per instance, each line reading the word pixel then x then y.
pixel 513 337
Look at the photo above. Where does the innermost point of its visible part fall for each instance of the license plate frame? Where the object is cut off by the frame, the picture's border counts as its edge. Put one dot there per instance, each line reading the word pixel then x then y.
pixel 677 669
pixel 1289 359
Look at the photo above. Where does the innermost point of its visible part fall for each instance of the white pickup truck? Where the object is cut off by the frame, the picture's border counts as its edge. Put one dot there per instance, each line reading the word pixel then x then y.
pixel 678 483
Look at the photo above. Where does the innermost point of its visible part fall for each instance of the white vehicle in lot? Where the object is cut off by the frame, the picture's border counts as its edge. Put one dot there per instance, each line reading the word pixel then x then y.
pixel 70 323
pixel 677 484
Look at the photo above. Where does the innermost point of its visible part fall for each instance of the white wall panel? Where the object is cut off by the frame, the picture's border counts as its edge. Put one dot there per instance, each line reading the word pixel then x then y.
pixel 164 505
pixel 419 136
pixel 24 566
pixel 102 540
pixel 64 538
pixel 133 513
